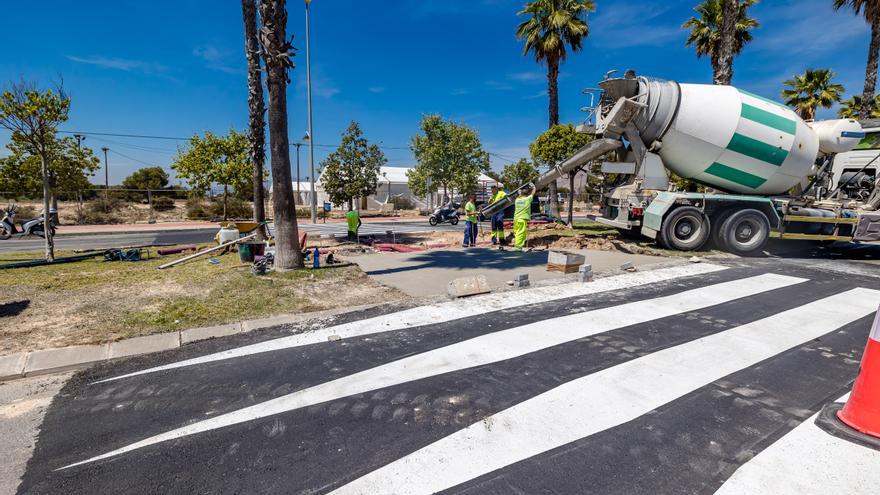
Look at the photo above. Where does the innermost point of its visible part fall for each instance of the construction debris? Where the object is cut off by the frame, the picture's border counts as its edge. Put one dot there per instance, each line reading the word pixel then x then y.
pixel 177 250
pixel 206 251
pixel 563 261
pixel 468 286
pixel 68 259
pixel 521 280
pixel 585 273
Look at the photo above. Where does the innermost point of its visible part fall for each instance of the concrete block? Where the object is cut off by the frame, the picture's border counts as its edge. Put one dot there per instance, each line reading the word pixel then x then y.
pixel 585 273
pixel 12 366
pixel 64 358
pixel 468 286
pixel 628 266
pixel 563 261
pixel 521 280
pixel 144 345
pixel 204 333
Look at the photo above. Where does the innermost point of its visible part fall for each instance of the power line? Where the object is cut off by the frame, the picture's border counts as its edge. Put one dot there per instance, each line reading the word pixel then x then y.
pixel 139 136
pixel 134 159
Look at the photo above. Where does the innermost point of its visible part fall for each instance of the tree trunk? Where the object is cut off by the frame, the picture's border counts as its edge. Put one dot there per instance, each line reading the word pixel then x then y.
pixel 553 94
pixel 871 70
pixel 276 54
pixel 225 195
pixel 571 196
pixel 47 217
pixel 350 204
pixel 256 111
pixel 729 13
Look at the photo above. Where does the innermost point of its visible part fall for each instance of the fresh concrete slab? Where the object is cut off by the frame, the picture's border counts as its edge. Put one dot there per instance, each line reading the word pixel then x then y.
pixel 427 273
pixel 143 345
pixel 64 358
pixel 12 366
pixel 204 333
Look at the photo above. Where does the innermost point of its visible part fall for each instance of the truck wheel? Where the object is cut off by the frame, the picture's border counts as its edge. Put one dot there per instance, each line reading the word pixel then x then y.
pixel 685 229
pixel 718 234
pixel 745 232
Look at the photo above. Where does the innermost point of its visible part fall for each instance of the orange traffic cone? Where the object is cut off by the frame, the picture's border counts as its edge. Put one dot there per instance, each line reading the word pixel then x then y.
pixel 862 409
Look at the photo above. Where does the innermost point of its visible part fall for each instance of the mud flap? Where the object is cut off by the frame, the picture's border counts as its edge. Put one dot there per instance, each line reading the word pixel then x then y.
pixel 868 228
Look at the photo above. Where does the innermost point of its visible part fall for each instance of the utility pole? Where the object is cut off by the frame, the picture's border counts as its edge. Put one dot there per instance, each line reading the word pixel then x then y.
pixel 79 197
pixel 106 175
pixel 298 196
pixel 314 201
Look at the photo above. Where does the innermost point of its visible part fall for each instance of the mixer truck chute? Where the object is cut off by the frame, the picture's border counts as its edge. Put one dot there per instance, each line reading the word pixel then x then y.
pixel 752 152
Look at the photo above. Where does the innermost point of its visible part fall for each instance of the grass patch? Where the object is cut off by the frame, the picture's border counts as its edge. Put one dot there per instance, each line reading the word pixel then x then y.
pixel 94 301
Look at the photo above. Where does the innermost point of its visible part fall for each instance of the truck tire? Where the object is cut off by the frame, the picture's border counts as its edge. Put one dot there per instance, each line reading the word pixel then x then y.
pixel 685 229
pixel 745 232
pixel 718 234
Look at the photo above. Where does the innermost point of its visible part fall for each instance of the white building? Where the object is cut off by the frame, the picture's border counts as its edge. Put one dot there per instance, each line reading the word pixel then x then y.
pixel 392 183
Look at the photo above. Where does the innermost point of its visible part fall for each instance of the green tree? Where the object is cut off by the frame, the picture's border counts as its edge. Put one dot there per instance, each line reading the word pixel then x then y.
pixel 70 167
pixel 33 118
pixel 352 170
pixel 278 54
pixel 705 35
pixel 810 90
pixel 871 10
pixel 553 27
pixel 146 178
pixel 215 159
pixel 852 109
pixel 449 154
pixel 555 145
pixel 256 110
pixel 518 173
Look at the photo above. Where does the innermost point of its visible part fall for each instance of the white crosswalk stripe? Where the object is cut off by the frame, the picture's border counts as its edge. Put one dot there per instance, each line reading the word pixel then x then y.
pixel 610 397
pixel 483 350
pixel 799 462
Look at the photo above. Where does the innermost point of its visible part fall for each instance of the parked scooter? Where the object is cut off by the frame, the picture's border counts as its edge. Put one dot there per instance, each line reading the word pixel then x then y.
pixel 33 226
pixel 443 214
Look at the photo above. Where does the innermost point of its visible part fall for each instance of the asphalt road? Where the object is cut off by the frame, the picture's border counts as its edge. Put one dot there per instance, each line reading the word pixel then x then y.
pixel 106 241
pixel 688 379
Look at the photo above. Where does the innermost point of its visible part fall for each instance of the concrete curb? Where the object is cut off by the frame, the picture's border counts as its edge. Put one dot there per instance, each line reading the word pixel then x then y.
pixel 45 361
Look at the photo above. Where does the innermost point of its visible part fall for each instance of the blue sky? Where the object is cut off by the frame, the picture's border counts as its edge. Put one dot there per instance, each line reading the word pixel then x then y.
pixel 177 68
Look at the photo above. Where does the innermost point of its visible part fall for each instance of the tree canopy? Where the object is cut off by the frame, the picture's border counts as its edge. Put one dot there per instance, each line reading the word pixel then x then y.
pixel 449 154
pixel 810 90
pixel 69 167
pixel 147 178
pixel 518 173
pixel 705 30
pixel 216 159
pixel 852 108
pixel 352 170
pixel 556 144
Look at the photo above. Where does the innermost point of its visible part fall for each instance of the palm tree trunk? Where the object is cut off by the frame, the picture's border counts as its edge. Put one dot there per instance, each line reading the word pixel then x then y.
pixel 730 10
pixel 256 111
pixel 47 217
pixel 553 94
pixel 871 70
pixel 276 53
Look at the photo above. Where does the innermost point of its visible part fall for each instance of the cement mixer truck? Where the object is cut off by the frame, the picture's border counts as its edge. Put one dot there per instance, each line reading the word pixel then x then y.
pixel 764 168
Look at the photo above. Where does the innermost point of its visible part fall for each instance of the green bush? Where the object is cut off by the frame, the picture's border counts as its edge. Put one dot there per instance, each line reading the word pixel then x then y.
pixel 235 208
pixel 402 203
pixel 101 205
pixel 195 209
pixel 163 203
pixel 303 213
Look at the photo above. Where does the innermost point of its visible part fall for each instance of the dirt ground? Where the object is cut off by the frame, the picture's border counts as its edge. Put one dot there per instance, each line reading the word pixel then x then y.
pixel 94 301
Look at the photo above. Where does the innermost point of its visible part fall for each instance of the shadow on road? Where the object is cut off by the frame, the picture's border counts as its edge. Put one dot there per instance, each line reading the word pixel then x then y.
pixel 778 248
pixel 470 259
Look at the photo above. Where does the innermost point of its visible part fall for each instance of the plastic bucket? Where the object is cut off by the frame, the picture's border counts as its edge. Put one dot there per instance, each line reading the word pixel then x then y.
pixel 247 251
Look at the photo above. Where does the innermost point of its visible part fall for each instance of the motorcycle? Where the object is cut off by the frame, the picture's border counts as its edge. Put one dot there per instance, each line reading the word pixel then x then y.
pixel 33 226
pixel 443 214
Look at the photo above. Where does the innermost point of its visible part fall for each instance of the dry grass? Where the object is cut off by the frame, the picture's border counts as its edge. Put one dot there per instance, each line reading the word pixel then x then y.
pixel 94 301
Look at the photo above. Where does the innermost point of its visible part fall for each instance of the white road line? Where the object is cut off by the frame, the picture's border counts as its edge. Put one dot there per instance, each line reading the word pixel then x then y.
pixel 485 349
pixel 808 460
pixel 444 312
pixel 613 396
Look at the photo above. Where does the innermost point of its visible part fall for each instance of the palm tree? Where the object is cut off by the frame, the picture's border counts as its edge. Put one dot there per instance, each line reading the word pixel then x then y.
pixel 553 27
pixel 705 35
pixel 871 10
pixel 811 90
pixel 852 109
pixel 256 110
pixel 277 54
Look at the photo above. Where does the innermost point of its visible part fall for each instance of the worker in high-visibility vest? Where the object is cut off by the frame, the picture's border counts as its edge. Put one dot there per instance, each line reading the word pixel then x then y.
pixel 471 222
pixel 521 216
pixel 498 218
pixel 354 224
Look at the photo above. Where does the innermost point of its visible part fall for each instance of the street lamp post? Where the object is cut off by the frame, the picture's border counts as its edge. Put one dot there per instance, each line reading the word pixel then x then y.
pixel 311 135
pixel 106 175
pixel 298 195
